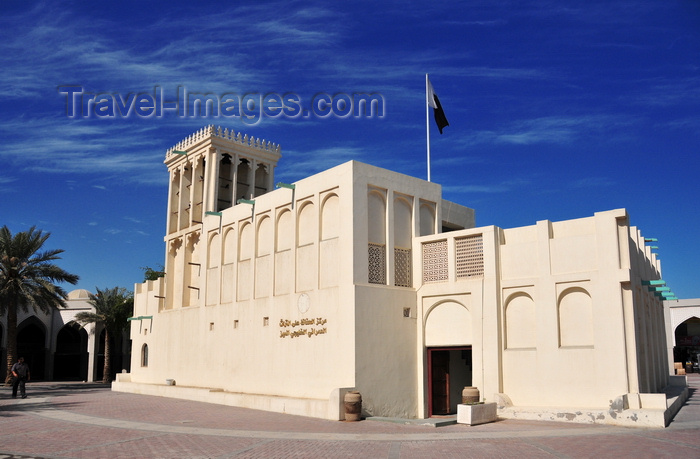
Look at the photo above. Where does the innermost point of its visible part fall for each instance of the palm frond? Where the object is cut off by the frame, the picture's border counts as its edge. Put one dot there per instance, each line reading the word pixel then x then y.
pixel 27 276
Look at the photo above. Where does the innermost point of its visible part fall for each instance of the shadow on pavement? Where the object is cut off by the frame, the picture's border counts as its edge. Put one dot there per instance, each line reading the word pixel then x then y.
pixel 38 392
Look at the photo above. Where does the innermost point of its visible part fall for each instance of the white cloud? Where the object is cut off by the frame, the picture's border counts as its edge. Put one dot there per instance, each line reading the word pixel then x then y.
pixel 593 182
pixel 500 187
pixel 547 130
pixel 62 47
pixel 473 189
pixel 65 146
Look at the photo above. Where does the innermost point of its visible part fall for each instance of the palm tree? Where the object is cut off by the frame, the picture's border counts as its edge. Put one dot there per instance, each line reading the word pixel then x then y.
pixel 113 306
pixel 28 278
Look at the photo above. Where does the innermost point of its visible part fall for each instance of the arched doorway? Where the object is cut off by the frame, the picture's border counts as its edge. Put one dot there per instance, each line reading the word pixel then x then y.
pixel 71 357
pixel 687 347
pixel 31 340
pixel 448 340
pixel 450 370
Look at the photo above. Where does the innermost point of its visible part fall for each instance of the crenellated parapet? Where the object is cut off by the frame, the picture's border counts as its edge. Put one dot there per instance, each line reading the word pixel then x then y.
pixel 210 171
pixel 225 134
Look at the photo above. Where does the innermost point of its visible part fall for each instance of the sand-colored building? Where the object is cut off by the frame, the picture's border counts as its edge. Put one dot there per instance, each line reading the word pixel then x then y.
pixel 683 333
pixel 58 348
pixel 360 278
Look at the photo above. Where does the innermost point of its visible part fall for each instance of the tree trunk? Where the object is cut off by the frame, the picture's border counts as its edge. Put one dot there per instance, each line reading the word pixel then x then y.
pixel 11 341
pixel 107 370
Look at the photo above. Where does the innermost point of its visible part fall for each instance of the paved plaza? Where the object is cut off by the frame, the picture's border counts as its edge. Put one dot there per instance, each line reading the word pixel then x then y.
pixel 77 420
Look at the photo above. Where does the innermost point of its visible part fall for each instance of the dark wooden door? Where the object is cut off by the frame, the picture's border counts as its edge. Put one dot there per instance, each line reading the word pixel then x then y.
pixel 440 378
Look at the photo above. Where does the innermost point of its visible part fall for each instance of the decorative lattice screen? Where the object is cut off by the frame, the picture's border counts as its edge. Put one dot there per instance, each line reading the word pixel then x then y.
pixel 402 267
pixel 435 261
pixel 377 263
pixel 469 252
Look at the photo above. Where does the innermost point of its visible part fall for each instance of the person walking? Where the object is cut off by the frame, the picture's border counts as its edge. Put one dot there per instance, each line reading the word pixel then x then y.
pixel 20 372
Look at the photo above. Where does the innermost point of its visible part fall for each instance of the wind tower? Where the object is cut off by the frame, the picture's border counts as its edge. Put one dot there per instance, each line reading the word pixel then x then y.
pixel 210 171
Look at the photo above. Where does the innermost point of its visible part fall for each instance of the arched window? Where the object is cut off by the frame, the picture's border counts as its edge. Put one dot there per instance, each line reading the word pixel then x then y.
pixel 520 322
pixel 329 272
pixel 427 219
pixel 575 318
pixel 306 233
pixel 144 355
pixel 285 235
pixel 243 184
pixel 227 272
pixel 263 264
pixel 376 232
pixel 246 242
pixel 403 233
pixel 264 237
pixel 225 191
pixel 285 231
pixel 330 218
pixel 214 250
pixel 246 251
pixel 307 255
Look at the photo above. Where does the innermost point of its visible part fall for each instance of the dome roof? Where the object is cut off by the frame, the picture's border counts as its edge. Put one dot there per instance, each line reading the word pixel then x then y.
pixel 79 294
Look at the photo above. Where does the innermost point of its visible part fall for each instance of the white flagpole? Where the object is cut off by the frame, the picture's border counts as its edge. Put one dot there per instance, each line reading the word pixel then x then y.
pixel 427 122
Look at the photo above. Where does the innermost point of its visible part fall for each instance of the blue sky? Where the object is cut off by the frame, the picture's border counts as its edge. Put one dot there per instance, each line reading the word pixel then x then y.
pixel 557 110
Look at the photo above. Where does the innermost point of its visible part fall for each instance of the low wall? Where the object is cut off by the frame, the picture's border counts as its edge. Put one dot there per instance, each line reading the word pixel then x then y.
pixel 331 408
pixel 634 410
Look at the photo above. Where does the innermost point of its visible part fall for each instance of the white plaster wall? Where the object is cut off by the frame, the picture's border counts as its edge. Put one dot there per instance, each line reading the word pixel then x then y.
pixel 254 345
pixel 578 269
pixel 587 368
pixel 449 323
pixel 476 295
pixel 385 351
pixel 582 366
pixel 202 347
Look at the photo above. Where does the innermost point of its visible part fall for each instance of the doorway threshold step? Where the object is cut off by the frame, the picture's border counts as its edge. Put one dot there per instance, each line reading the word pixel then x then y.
pixel 439 421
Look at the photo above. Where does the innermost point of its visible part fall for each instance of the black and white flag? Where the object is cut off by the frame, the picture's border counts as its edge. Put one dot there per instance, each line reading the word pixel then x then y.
pixel 438 112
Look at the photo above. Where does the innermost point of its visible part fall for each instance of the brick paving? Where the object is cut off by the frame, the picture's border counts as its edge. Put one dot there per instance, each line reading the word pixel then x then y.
pixel 76 420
